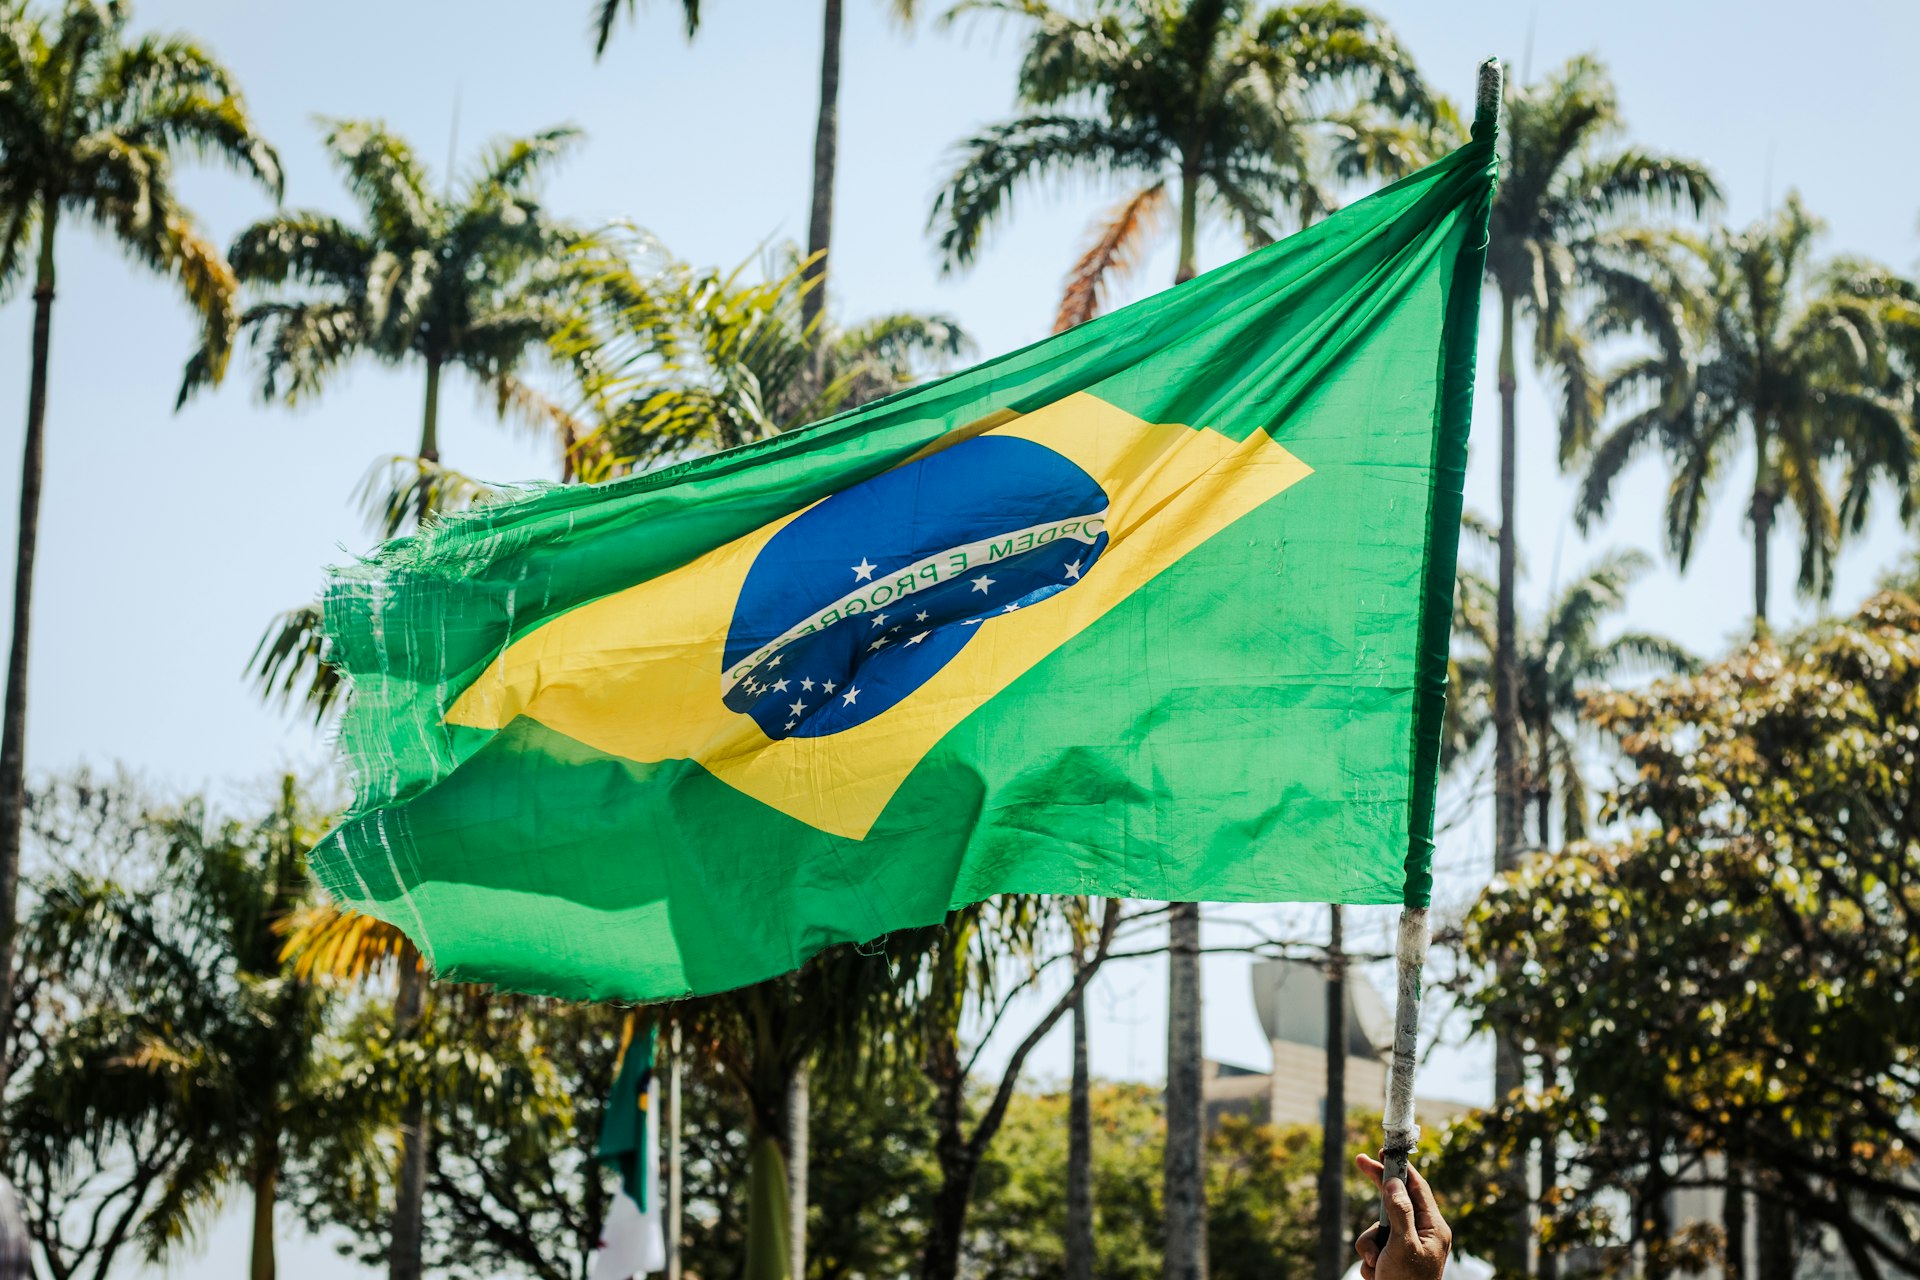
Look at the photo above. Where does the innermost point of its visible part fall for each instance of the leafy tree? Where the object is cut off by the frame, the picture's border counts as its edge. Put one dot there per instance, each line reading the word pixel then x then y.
pixel 1731 979
pixel 515 1088
pixel 1207 105
pixel 177 1053
pixel 1768 351
pixel 91 117
pixel 962 965
pixel 1560 659
pixel 1261 1205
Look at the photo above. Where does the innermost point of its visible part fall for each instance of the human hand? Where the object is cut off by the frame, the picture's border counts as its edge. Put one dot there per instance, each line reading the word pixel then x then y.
pixel 1419 1240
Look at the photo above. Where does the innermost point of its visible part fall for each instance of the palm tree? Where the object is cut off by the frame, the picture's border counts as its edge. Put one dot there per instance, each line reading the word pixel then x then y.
pixel 1767 349
pixel 515 1085
pixel 190 1025
pixel 1561 658
pixel 90 120
pixel 826 132
pixel 479 279
pixel 1562 219
pixel 1563 205
pixel 1207 105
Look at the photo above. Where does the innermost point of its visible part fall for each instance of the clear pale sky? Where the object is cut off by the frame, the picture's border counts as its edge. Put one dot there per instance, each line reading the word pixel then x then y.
pixel 169 540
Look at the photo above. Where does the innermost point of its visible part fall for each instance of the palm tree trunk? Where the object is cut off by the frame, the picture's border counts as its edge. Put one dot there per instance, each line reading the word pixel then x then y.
pixel 1779 1246
pixel 13 726
pixel 768 1252
pixel 799 1130
pixel 1656 1218
pixel 1733 1220
pixel 410 1184
pixel 1506 710
pixel 1080 1245
pixel 1543 792
pixel 1331 1258
pixel 266 1178
pixel 826 147
pixel 947 1222
pixel 429 437
pixel 1185 1170
pixel 1189 226
pixel 1764 502
pixel 1549 1256
pixel 1508 799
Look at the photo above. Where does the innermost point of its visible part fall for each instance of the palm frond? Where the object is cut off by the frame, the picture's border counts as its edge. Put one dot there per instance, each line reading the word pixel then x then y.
pixel 328 941
pixel 1610 457
pixel 991 166
pixel 387 178
pixel 289 665
pixel 301 344
pixel 398 488
pixel 304 247
pixel 1640 182
pixel 607 12
pixel 512 165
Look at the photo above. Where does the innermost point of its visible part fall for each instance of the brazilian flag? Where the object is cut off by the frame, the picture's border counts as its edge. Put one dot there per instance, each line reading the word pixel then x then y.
pixel 1156 608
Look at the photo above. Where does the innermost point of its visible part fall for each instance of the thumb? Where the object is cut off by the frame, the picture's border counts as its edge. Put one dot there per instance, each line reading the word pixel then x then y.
pixel 1399 1208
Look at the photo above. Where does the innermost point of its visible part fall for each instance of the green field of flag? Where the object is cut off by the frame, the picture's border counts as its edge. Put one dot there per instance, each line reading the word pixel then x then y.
pixel 1156 608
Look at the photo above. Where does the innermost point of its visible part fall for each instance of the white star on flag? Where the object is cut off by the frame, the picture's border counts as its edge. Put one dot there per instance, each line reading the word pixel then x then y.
pixel 1010 608
pixel 981 583
pixel 877 644
pixel 779 686
pixel 851 695
pixel 807 684
pixel 797 708
pixel 828 686
pixel 879 619
pixel 1073 569
pixel 920 616
pixel 917 639
pixel 863 572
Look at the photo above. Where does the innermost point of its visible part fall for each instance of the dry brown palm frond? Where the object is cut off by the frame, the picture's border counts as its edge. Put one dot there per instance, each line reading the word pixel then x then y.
pixel 1114 249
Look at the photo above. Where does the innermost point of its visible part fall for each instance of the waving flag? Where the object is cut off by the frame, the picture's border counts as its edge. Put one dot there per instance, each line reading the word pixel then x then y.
pixel 631 1241
pixel 1156 608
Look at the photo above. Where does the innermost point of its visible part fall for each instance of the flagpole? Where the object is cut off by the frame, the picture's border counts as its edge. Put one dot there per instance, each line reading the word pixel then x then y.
pixel 672 1223
pixel 1399 1130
